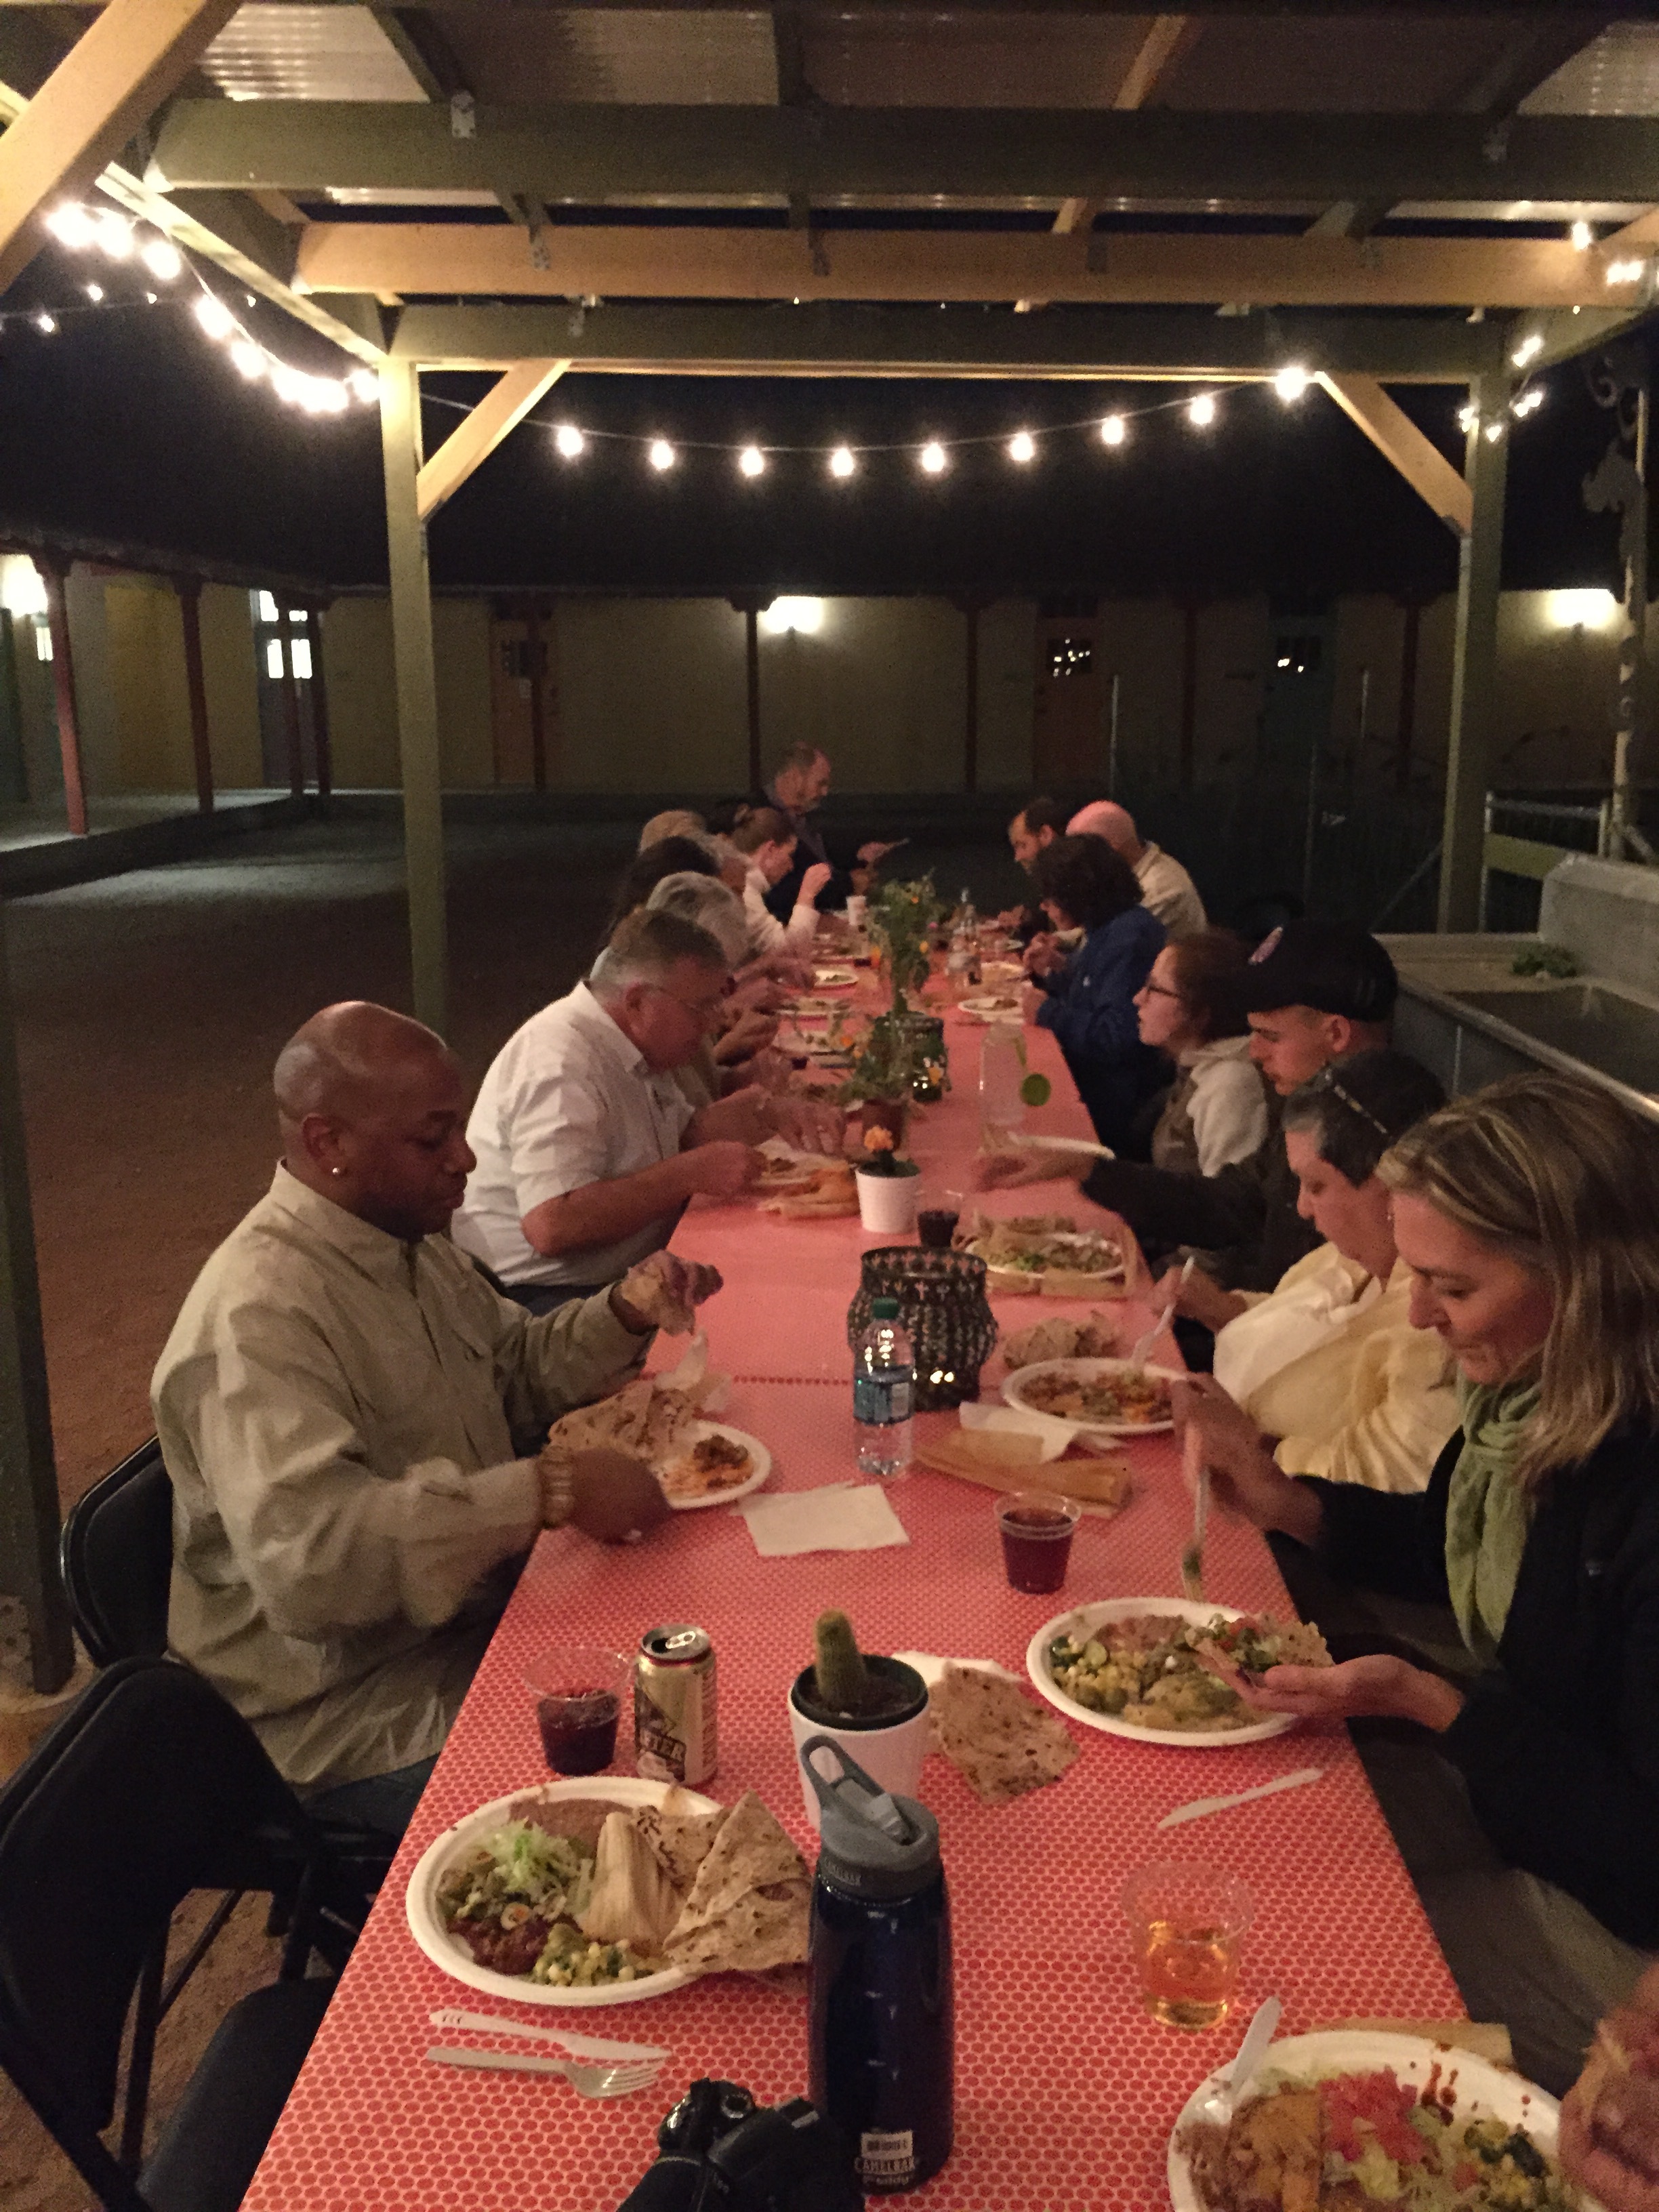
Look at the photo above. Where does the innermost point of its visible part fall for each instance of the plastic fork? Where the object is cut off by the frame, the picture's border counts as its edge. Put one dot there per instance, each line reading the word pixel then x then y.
pixel 622 2078
pixel 579 2046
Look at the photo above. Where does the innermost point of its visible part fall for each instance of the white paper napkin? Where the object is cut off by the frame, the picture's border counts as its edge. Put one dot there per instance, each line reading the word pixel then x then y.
pixel 841 1516
pixel 930 1667
pixel 1052 1436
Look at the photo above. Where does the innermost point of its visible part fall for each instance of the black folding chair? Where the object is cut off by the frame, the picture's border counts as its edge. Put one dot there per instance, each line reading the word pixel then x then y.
pixel 116 1552
pixel 150 1787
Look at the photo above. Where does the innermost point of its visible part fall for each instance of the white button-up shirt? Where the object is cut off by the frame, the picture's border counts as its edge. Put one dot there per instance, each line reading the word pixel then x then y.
pixel 568 1101
pixel 1170 892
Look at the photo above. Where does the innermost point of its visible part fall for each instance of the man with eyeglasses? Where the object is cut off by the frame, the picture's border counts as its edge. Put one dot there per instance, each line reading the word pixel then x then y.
pixel 587 1148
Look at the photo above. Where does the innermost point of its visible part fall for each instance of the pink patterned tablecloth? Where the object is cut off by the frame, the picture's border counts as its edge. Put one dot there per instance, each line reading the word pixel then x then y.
pixel 1066 2089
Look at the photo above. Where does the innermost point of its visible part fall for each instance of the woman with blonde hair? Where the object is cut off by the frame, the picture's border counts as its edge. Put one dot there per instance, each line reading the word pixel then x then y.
pixel 765 841
pixel 1529 1215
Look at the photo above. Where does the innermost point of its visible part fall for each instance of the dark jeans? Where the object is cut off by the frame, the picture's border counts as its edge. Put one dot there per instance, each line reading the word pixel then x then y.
pixel 386 1802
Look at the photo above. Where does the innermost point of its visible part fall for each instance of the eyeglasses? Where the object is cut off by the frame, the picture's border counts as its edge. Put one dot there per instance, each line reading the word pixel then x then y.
pixel 699 1009
pixel 1163 991
pixel 1330 1083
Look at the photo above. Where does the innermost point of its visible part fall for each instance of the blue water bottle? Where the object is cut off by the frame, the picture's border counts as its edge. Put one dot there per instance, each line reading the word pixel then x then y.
pixel 880 2003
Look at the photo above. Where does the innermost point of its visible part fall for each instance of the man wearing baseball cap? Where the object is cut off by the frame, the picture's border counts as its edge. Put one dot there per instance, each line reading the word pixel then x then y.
pixel 1314 991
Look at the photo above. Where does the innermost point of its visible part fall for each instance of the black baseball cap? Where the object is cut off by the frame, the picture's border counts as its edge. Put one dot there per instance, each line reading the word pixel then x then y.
pixel 1335 967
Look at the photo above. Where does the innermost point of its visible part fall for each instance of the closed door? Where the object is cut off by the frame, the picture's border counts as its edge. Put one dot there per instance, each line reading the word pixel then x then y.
pixel 1068 743
pixel 517 666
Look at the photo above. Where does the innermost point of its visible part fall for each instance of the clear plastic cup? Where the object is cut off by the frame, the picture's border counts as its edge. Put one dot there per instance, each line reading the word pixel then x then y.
pixel 579 1692
pixel 1186 1924
pixel 1037 1526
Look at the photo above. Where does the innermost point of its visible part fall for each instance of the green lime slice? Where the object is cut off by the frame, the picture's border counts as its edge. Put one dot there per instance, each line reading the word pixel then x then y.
pixel 1035 1091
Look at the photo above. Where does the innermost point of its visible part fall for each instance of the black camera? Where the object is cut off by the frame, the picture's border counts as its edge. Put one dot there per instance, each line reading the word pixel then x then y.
pixel 719 2149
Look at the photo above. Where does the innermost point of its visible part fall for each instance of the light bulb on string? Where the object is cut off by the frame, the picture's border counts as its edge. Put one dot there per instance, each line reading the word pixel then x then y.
pixel 365 386
pixel 162 259
pixel 95 293
pixel 662 455
pixel 1201 409
pixel 44 323
pixel 1021 447
pixel 1527 403
pixel 1113 430
pixel 751 461
pixel 71 226
pixel 1291 383
pixel 1467 416
pixel 1494 432
pixel 1623 272
pixel 1528 349
pixel 569 441
pixel 1582 235
pixel 249 359
pixel 931 458
pixel 114 236
pixel 152 298
pixel 842 463
pixel 285 382
pixel 215 319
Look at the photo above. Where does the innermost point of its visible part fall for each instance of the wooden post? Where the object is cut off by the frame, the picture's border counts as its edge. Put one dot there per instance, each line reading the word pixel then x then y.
pixel 189 589
pixel 55 575
pixel 970 710
pixel 319 704
pixel 1189 608
pixel 296 758
pixel 1410 639
pixel 533 661
pixel 29 1476
pixel 1474 662
pixel 752 641
pixel 417 689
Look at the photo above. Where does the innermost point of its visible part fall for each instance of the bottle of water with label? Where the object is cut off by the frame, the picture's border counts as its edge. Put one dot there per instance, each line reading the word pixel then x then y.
pixel 884 1392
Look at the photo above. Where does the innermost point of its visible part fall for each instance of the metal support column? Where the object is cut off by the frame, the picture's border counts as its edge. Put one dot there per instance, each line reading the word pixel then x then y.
pixel 295 737
pixel 189 589
pixel 751 662
pixel 535 660
pixel 1475 663
pixel 28 1474
pixel 55 576
pixel 417 689
pixel 321 743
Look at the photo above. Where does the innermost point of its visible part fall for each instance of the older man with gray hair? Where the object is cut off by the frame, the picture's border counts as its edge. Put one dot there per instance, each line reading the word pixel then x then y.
pixel 351 1418
pixel 588 1149
pixel 1165 887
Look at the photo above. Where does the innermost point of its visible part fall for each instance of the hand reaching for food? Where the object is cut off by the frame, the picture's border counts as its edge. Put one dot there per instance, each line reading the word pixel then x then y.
pixel 1378 1684
pixel 664 1291
pixel 613 1499
pixel 1199 1297
pixel 1007 1170
pixel 1609 2140
pixel 816 880
pixel 810 1125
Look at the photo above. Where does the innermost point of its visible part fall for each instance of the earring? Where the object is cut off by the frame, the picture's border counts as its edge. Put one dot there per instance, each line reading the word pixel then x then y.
pixel 337 1170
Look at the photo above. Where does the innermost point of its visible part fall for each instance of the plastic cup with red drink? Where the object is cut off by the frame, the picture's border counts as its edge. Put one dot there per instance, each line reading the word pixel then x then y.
pixel 579 1692
pixel 1037 1526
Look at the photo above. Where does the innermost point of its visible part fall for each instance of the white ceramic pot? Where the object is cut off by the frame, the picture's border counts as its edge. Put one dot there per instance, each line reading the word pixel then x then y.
pixel 887 1203
pixel 890 1755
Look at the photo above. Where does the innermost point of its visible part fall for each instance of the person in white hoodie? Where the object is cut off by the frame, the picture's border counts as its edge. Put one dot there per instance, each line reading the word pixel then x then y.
pixel 1191 1008
pixel 765 839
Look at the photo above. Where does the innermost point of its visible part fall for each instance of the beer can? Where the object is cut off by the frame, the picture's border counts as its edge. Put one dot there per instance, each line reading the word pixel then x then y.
pixel 675 1705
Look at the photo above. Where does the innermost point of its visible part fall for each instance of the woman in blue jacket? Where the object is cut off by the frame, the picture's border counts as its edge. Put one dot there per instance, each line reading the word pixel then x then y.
pixel 1090 1001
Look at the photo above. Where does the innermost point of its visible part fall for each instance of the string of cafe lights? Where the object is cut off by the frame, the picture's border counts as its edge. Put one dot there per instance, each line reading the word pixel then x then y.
pixel 121 241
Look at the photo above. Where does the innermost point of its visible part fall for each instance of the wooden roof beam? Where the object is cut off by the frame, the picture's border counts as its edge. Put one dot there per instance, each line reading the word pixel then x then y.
pixel 112 80
pixel 584 153
pixel 496 416
pixel 1395 434
pixel 702 338
pixel 646 262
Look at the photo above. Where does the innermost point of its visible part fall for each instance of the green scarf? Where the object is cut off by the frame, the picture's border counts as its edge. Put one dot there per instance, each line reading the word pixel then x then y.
pixel 1487 1513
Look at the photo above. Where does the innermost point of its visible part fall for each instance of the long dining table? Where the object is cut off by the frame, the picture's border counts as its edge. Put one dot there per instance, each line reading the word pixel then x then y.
pixel 1066 2089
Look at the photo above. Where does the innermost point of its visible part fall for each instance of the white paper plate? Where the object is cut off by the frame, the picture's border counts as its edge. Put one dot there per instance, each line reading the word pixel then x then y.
pixel 1091 1617
pixel 426 1923
pixel 833 979
pixel 1013 1392
pixel 756 1451
pixel 990 1007
pixel 1480 2090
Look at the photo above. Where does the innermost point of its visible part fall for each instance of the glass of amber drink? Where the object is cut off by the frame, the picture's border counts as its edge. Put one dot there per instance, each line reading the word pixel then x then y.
pixel 1187 1922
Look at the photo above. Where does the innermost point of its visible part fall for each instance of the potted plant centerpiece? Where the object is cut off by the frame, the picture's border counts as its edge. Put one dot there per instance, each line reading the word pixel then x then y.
pixel 887 1185
pixel 902 1056
pixel 876 1708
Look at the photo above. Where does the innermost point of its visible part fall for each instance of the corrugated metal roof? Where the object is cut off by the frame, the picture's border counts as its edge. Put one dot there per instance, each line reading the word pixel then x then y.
pixel 281 51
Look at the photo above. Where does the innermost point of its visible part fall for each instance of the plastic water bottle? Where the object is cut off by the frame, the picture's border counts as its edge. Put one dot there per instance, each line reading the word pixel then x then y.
pixel 884 1392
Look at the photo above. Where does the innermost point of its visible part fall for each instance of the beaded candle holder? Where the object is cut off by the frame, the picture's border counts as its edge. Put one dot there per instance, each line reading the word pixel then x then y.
pixel 943 1306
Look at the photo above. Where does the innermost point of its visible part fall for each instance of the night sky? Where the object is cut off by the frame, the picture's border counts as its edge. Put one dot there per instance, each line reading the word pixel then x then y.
pixel 131 428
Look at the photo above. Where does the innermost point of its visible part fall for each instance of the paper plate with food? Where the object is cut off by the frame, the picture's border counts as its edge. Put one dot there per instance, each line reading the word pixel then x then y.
pixel 991 1006
pixel 1163 1669
pixel 1046 1254
pixel 1355 2119
pixel 783 1167
pixel 812 1006
pixel 1103 1397
pixel 716 1464
pixel 608 1890
pixel 834 979
pixel 829 1194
